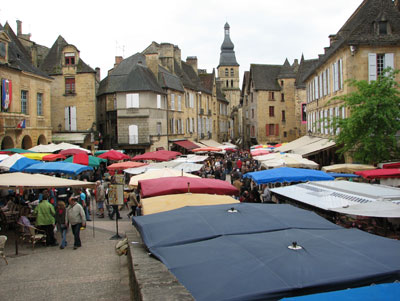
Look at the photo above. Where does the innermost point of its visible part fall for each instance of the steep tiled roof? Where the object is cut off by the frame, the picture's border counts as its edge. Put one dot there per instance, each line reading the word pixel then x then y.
pixel 265 76
pixel 18 57
pixel 359 28
pixel 169 80
pixel 287 71
pixel 304 68
pixel 131 74
pixel 220 94
pixel 52 64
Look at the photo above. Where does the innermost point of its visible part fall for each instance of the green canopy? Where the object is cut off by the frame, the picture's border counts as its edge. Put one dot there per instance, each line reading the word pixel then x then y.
pixel 17 150
pixel 93 161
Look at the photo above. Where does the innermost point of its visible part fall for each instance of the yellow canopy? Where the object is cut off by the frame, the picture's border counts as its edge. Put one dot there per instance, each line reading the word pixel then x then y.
pixel 347 168
pixel 174 201
pixel 36 156
pixel 159 173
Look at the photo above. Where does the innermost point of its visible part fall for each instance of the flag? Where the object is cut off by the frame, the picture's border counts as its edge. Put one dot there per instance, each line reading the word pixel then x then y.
pixel 6 93
pixel 21 124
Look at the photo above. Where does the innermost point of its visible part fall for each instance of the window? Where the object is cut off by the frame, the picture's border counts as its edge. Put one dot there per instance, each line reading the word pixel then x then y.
pixel 270 129
pixel 24 102
pixel 377 63
pixel 281 83
pixel 271 96
pixel 226 72
pixel 382 27
pixel 285 134
pixel 232 83
pixel 303 113
pixel 3 50
pixel 39 104
pixel 172 102
pixel 191 98
pixel 271 111
pixel 253 131
pixel 252 113
pixel 70 118
pixel 133 134
pixel 158 128
pixel 338 75
pixel 232 72
pixel 283 116
pixel 69 58
pixel 192 128
pixel 70 85
pixel 282 97
pixel 132 100
pixel 172 125
pixel 227 83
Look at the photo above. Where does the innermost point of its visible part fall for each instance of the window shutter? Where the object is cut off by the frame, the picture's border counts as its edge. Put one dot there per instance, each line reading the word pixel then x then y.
pixel 133 134
pixel 276 129
pixel 341 73
pixel 128 101
pixel 158 101
pixel 389 60
pixel 267 129
pixel 328 80
pixel 135 100
pixel 73 118
pixel 66 111
pixel 371 66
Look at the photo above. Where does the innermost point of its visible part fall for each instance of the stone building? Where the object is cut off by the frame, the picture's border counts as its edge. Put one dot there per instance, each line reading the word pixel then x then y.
pixel 174 102
pixel 25 117
pixel 366 44
pixel 73 95
pixel 228 77
pixel 273 101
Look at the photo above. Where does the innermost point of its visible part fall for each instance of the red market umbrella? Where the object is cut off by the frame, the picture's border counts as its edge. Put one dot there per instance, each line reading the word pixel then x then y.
pixel 161 155
pixel 177 185
pixel 81 158
pixel 125 165
pixel 379 173
pixel 53 157
pixel 207 149
pixel 72 151
pixel 114 155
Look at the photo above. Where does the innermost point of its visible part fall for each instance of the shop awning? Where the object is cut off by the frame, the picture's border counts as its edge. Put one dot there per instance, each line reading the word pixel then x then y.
pixel 189 145
pixel 78 138
pixel 314 147
pixel 302 141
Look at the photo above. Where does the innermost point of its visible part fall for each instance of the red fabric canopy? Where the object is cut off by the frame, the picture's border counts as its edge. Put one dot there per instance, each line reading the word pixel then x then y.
pixel 207 149
pixel 161 155
pixel 391 165
pixel 114 155
pixel 189 145
pixel 177 185
pixel 379 173
pixel 125 165
pixel 72 151
pixel 53 157
pixel 81 158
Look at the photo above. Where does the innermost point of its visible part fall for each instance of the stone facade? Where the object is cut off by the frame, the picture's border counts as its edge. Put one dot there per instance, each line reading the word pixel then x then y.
pixel 26 84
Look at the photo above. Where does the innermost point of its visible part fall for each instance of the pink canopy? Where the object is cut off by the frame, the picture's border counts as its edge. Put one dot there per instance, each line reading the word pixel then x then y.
pixel 125 165
pixel 260 152
pixel 379 173
pixel 161 155
pixel 177 185
pixel 114 155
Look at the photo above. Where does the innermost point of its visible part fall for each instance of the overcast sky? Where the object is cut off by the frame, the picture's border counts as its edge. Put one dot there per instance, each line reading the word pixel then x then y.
pixel 263 31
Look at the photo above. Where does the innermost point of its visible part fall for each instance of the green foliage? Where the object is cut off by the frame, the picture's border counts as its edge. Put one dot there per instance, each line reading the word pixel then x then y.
pixel 368 134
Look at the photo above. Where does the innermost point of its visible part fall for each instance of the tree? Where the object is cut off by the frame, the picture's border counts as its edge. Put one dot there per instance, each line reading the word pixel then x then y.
pixel 369 133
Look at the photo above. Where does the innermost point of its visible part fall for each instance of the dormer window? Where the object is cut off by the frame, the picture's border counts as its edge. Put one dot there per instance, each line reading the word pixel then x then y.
pixel 69 58
pixel 3 50
pixel 382 27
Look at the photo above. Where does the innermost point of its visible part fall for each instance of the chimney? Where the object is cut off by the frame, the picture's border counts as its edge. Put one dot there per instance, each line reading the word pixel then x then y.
pixel 152 63
pixel 19 28
pixel 192 61
pixel 177 56
pixel 332 39
pixel 118 60
pixel 97 74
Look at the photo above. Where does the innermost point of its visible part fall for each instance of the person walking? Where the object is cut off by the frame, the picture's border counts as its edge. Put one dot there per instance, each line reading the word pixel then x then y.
pixel 76 217
pixel 45 213
pixel 61 223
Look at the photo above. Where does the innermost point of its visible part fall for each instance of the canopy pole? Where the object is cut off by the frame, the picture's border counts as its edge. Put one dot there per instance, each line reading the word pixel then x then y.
pixel 188 187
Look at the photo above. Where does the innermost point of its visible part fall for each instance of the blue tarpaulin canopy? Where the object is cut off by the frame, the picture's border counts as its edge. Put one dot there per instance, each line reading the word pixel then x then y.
pixel 57 167
pixel 195 223
pixel 234 256
pixel 386 291
pixel 342 175
pixel 287 174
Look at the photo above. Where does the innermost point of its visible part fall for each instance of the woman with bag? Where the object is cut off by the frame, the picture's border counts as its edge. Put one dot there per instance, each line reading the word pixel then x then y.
pixel 61 224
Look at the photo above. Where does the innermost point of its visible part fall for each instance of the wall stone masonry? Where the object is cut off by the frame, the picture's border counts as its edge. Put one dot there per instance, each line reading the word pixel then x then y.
pixel 148 277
